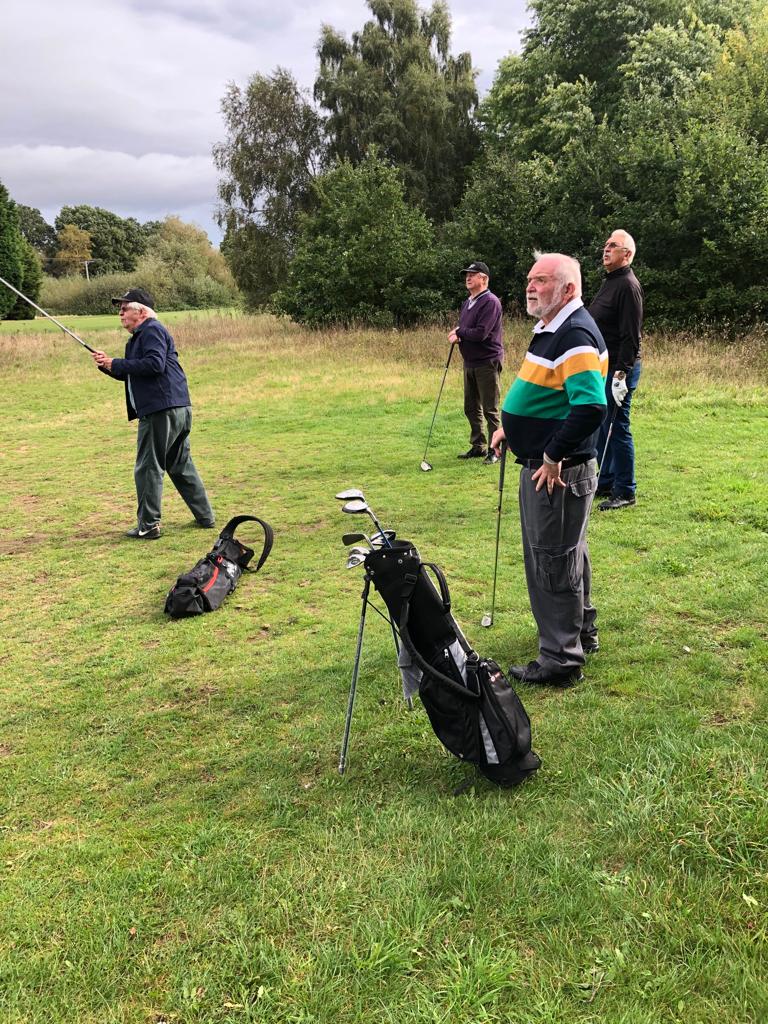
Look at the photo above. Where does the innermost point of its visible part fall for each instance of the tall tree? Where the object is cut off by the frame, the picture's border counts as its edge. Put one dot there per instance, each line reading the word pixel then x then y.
pixel 37 231
pixel 396 86
pixel 116 242
pixel 364 255
pixel 73 251
pixel 273 150
pixel 11 251
pixel 32 282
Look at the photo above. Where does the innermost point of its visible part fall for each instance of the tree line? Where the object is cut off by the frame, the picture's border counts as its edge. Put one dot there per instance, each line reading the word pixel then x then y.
pixel 90 254
pixel 361 202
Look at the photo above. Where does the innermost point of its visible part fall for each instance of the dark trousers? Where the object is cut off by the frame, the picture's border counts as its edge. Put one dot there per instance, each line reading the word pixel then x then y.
pixel 162 446
pixel 557 566
pixel 481 401
pixel 617 473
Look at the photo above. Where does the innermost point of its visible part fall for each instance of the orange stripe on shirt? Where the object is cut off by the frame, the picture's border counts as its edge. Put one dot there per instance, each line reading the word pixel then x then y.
pixel 555 377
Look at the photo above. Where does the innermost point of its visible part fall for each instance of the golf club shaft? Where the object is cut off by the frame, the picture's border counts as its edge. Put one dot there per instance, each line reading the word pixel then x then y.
pixel 353 685
pixel 439 394
pixel 608 438
pixel 51 318
pixel 498 525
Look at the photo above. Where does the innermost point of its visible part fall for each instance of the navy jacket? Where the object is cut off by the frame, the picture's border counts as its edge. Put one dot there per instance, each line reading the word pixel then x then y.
pixel 152 363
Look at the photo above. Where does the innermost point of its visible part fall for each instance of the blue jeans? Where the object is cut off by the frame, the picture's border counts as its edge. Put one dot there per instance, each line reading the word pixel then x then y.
pixel 617 473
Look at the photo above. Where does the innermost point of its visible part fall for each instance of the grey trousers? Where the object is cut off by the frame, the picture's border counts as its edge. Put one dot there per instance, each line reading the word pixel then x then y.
pixel 162 446
pixel 557 566
pixel 481 399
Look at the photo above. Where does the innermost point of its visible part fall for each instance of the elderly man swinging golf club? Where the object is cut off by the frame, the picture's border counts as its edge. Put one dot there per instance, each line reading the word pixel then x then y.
pixel 550 420
pixel 156 394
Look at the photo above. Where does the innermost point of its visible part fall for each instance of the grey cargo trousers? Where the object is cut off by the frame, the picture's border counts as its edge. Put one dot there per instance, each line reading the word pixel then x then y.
pixel 557 566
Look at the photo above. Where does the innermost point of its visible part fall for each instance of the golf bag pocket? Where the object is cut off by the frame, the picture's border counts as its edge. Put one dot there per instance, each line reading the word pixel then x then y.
pixel 215 576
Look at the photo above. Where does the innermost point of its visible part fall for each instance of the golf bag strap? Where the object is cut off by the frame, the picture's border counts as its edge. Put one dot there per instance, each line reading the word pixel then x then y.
pixel 444 593
pixel 269 535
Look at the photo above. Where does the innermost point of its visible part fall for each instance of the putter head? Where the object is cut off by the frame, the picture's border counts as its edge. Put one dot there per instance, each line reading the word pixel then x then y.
pixel 487 620
pixel 352 538
pixel 425 466
pixel 355 507
pixel 352 492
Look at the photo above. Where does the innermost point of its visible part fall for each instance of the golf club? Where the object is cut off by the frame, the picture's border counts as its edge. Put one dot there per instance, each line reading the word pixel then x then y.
pixel 359 550
pixel 378 540
pixel 427 466
pixel 348 495
pixel 51 318
pixel 355 559
pixel 359 506
pixel 487 619
pixel 608 438
pixel 353 538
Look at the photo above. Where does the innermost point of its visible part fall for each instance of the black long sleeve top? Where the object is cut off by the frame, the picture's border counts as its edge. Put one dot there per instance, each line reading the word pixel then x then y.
pixel 618 311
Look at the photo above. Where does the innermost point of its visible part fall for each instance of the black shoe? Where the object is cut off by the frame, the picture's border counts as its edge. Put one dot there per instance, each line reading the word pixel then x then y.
pixel 491 459
pixel 590 644
pixel 533 672
pixel 151 532
pixel 603 492
pixel 473 453
pixel 613 503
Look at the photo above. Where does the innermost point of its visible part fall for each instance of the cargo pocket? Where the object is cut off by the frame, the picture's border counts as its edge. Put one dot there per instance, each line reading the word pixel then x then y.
pixel 556 573
pixel 583 488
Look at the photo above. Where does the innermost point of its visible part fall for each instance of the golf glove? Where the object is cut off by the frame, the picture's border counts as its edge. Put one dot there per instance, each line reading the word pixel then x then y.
pixel 619 389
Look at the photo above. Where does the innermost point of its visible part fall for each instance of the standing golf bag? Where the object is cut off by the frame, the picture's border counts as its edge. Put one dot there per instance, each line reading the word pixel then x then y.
pixel 473 709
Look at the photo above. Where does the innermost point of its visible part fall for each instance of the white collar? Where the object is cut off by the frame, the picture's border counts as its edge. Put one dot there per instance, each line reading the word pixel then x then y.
pixel 559 320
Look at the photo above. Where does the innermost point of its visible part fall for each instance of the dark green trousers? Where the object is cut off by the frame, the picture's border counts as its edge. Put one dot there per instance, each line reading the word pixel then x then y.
pixel 162 446
pixel 481 401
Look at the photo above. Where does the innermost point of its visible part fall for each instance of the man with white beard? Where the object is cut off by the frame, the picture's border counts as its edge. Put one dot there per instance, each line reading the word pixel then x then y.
pixel 550 422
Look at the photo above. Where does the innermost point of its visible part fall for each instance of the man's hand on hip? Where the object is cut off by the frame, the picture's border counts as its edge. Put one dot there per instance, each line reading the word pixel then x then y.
pixel 548 474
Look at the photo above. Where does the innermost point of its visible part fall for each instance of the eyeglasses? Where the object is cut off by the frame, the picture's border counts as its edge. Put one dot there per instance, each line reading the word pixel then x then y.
pixel 615 245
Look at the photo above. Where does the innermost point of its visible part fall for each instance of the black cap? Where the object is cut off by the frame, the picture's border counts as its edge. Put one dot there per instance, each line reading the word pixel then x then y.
pixel 135 295
pixel 477 268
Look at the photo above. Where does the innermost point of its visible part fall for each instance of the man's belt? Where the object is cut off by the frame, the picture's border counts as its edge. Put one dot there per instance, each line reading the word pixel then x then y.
pixel 574 460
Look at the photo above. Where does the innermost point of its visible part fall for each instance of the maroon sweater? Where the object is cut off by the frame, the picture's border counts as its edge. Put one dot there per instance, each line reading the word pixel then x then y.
pixel 479 331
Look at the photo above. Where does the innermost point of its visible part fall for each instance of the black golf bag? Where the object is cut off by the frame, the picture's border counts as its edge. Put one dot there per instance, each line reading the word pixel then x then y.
pixel 473 709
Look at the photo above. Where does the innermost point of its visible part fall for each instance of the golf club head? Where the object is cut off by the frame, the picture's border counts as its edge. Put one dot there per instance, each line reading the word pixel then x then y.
pixel 357 550
pixel 355 507
pixel 353 538
pixel 425 466
pixel 352 492
pixel 487 620
pixel 354 560
pixel 380 539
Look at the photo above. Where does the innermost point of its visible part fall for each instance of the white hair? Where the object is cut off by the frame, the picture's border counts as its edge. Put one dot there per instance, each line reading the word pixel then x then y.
pixel 629 242
pixel 147 310
pixel 567 270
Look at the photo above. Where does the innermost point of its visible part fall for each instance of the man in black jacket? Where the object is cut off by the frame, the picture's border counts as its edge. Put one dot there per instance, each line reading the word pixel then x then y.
pixel 618 311
pixel 156 394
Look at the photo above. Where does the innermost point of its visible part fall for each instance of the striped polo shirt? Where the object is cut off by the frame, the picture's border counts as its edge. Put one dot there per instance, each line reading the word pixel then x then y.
pixel 557 401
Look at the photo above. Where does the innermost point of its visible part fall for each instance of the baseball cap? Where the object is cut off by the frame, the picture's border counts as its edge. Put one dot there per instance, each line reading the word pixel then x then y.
pixel 135 295
pixel 477 268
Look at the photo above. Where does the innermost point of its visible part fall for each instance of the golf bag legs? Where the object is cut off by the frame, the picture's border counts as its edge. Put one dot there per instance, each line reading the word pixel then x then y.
pixel 353 684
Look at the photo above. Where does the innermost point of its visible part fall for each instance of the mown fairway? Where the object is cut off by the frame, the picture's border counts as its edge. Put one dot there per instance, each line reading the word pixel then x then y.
pixel 177 844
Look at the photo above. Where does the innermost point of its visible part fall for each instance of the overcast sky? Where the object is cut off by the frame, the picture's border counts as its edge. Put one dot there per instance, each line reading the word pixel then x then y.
pixel 115 103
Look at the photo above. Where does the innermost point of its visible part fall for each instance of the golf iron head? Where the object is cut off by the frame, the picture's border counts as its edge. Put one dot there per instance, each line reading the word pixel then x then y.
pixel 353 538
pixel 425 466
pixel 355 559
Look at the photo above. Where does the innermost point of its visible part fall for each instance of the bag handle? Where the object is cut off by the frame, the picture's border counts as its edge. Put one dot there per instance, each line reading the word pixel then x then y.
pixel 423 664
pixel 228 533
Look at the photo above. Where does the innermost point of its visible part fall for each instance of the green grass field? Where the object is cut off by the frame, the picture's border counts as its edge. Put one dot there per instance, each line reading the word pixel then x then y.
pixel 177 846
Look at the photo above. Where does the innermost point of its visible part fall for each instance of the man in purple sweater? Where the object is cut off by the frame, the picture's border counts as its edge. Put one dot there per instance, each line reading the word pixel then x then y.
pixel 478 336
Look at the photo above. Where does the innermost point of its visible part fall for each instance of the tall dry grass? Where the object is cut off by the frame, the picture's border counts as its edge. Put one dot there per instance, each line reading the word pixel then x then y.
pixel 671 355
